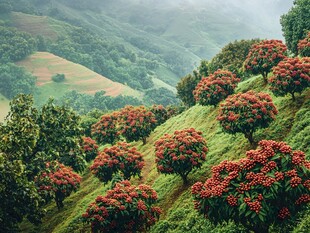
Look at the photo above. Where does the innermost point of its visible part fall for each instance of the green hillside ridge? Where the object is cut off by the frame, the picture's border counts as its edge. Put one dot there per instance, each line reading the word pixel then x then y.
pixel 292 125
pixel 44 65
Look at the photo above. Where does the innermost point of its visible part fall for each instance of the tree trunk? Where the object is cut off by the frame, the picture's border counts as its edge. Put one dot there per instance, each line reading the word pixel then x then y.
pixel 293 96
pixel 265 74
pixel 144 140
pixel 249 136
pixel 184 178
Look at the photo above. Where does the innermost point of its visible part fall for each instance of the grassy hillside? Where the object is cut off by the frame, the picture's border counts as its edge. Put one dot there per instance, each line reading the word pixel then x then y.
pixel 4 107
pixel 292 125
pixel 44 65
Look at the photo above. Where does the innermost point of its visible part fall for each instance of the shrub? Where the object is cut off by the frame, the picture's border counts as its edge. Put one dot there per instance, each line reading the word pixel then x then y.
pixel 267 187
pixel 90 148
pixel 290 76
pixel 216 87
pixel 136 123
pixel 304 46
pixel 106 129
pixel 263 56
pixel 246 112
pixel 125 208
pixel 180 153
pixel 117 159
pixel 57 183
pixel 58 78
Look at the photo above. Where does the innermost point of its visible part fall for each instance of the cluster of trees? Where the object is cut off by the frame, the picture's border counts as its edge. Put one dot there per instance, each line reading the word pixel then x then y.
pixel 15 80
pixel 15 45
pixel 84 103
pixel 31 141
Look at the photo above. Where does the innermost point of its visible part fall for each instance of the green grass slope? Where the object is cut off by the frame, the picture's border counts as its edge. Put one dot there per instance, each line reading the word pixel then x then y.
pixel 44 65
pixel 292 125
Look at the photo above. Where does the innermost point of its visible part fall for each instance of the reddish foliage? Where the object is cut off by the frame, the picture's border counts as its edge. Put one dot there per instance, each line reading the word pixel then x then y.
pixel 90 148
pixel 160 113
pixel 57 182
pixel 106 130
pixel 119 158
pixel 268 186
pixel 290 76
pixel 264 55
pixel 216 87
pixel 246 112
pixel 181 152
pixel 136 123
pixel 125 208
pixel 304 46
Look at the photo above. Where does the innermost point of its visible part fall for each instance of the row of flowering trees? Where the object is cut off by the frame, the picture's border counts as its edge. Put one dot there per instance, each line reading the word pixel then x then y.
pixel 133 123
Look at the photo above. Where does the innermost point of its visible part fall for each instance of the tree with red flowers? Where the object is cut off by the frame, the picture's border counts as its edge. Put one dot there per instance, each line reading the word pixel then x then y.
pixel 90 148
pixel 117 159
pixel 266 188
pixel 181 152
pixel 304 46
pixel 125 208
pixel 136 123
pixel 263 56
pixel 57 182
pixel 216 87
pixel 160 113
pixel 106 129
pixel 292 75
pixel 246 112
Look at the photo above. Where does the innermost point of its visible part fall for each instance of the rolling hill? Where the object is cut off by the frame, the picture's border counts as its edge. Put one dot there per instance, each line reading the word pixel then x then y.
pixel 174 198
pixel 44 65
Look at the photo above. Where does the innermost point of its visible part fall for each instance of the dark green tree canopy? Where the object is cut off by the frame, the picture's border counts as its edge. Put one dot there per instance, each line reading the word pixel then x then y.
pixel 296 24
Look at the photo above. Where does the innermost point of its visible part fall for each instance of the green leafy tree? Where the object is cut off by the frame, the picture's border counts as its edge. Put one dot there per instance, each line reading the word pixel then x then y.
pixel 304 46
pixel 19 197
pixel 136 123
pixel 216 87
pixel 291 75
pixel 296 24
pixel 60 135
pixel 118 159
pixel 268 187
pixel 185 88
pixel 125 208
pixel 231 57
pixel 180 153
pixel 263 56
pixel 19 163
pixel 246 112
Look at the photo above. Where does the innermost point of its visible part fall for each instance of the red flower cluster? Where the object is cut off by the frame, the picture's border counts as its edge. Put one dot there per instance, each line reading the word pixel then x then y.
pixel 264 55
pixel 90 148
pixel 125 208
pixel 119 158
pixel 304 46
pixel 57 182
pixel 136 123
pixel 216 87
pixel 246 112
pixel 106 130
pixel 256 184
pixel 181 152
pixel 290 76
